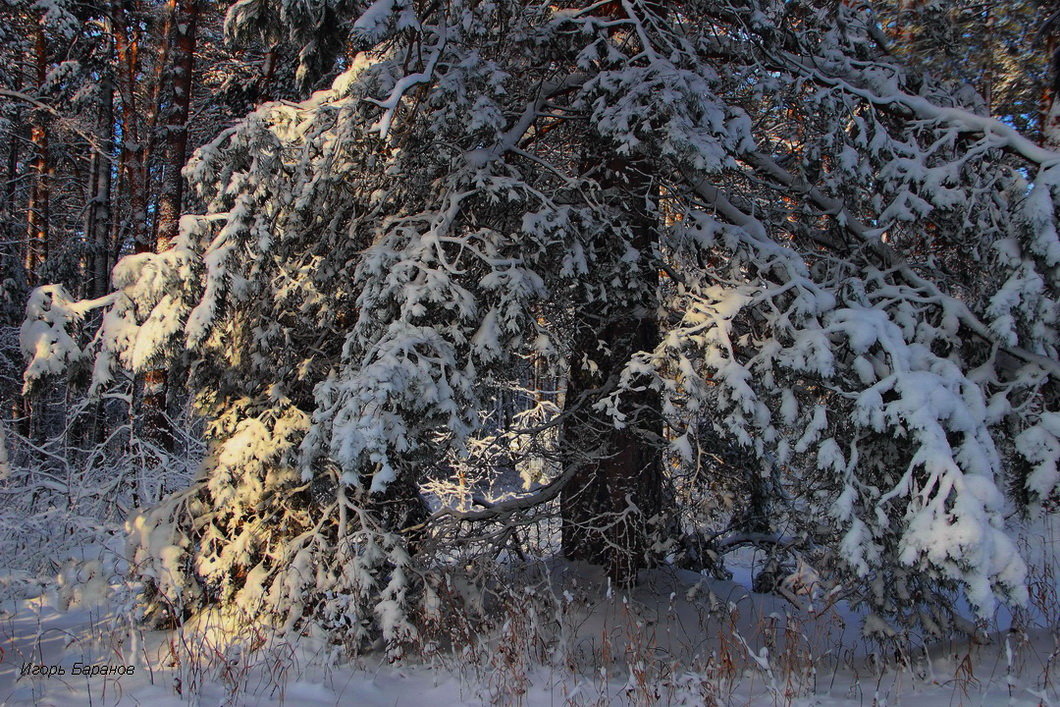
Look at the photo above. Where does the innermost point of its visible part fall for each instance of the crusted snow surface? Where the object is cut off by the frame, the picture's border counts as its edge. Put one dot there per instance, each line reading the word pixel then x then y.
pixel 677 638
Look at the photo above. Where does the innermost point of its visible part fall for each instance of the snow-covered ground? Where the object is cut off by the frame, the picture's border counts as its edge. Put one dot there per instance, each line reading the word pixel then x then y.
pixel 678 638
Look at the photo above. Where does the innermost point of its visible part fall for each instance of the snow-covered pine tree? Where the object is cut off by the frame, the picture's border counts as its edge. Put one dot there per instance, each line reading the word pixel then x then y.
pixel 705 225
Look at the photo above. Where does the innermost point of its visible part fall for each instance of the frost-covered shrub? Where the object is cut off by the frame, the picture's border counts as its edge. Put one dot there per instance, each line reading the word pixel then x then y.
pixel 63 506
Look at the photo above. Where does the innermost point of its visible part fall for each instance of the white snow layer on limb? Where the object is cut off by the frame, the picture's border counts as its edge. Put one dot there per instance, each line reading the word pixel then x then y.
pixel 373 416
pixel 1040 445
pixel 380 18
pixel 921 176
pixel 628 105
pixel 954 517
pixel 1039 209
pixel 403 86
pixel 148 310
pixel 141 319
pixel 410 364
pixel 159 554
pixel 1026 308
pixel 881 89
pixel 952 511
pixel 265 553
pixel 47 336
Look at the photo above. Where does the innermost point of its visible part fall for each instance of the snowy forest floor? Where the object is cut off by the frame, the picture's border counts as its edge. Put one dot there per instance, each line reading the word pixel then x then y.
pixel 677 638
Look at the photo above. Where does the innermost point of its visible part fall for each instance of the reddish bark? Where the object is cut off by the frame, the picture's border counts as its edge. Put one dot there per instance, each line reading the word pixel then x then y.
pixel 132 163
pixel 186 17
pixel 37 209
pixel 181 29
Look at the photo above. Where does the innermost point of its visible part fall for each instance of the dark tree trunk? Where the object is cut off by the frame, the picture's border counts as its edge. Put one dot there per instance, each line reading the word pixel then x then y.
pixel 132 161
pixel 12 223
pixel 35 247
pixel 98 228
pixel 170 203
pixel 37 216
pixel 614 494
pixel 98 225
pixel 156 387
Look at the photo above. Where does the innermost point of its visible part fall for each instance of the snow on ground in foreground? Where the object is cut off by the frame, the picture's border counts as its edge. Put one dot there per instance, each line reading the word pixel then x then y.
pixel 653 646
